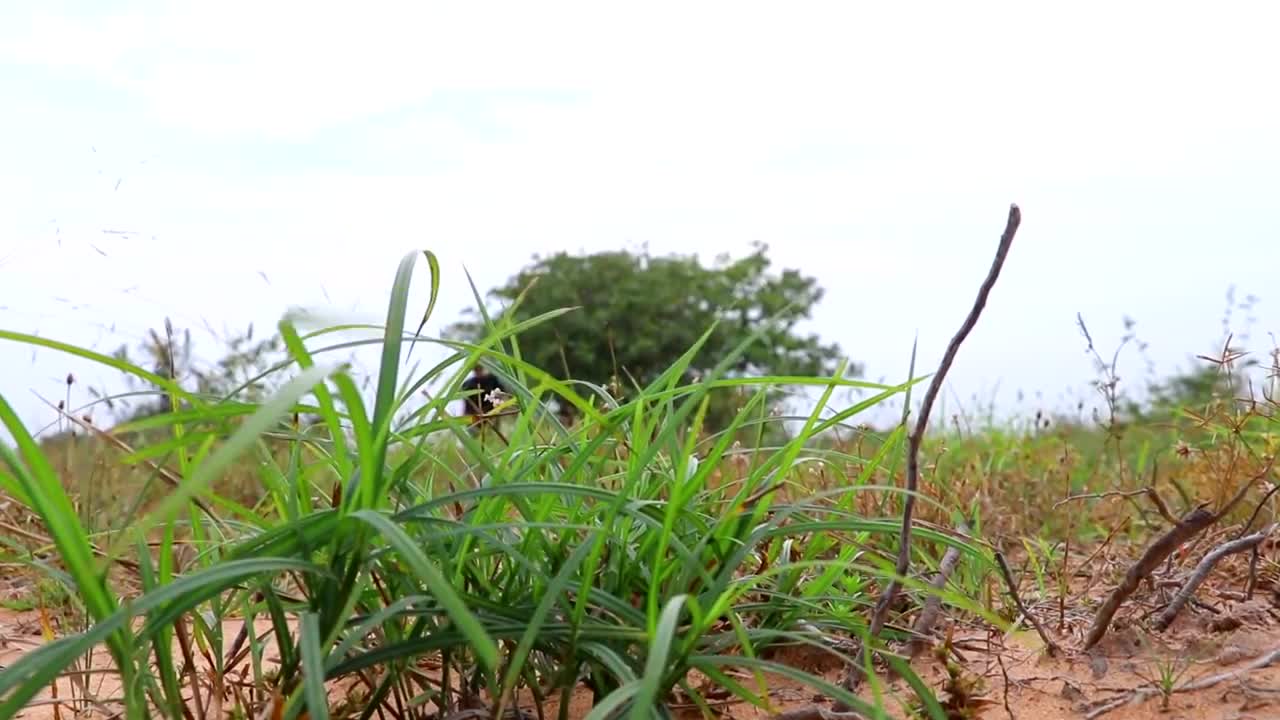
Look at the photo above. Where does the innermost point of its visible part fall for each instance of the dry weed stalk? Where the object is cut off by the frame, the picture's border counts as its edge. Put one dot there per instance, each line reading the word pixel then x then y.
pixel 853 674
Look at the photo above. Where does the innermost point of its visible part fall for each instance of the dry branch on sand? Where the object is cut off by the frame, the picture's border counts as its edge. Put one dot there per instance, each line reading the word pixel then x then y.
pixel 1202 571
pixel 1188 527
pixel 1191 524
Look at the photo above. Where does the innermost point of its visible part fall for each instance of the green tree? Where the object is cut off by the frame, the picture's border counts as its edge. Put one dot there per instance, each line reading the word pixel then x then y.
pixel 637 313
pixel 1207 384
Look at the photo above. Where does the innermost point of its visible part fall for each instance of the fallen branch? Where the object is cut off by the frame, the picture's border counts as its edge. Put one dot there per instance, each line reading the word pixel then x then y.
pixel 1202 684
pixel 1049 644
pixel 879 614
pixel 1202 572
pixel 1188 527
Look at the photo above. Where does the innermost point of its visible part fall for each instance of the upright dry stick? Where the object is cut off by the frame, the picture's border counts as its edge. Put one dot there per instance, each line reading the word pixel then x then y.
pixel 878 616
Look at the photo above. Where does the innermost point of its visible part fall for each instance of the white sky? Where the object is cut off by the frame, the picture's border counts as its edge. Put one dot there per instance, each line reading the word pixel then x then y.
pixel 876 146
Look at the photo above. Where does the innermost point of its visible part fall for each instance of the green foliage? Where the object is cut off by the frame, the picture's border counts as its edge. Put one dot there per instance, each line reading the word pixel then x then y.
pixel 625 555
pixel 635 314
pixel 1196 388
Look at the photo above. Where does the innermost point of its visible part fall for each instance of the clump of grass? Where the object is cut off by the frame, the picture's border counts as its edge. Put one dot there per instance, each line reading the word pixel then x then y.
pixel 1163 675
pixel 390 553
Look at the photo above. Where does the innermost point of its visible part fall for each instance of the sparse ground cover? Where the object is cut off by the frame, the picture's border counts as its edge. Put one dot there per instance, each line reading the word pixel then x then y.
pixel 303 553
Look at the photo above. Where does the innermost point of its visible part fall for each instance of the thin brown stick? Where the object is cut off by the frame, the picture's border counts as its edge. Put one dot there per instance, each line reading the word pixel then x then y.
pixel 1161 507
pixel 1189 526
pixel 1099 496
pixel 1049 644
pixel 1005 675
pixel 1257 509
pixel 193 672
pixel 1202 571
pixel 890 594
pixel 1110 536
pixel 1064 570
pixel 933 604
pixel 1244 491
pixel 1252 583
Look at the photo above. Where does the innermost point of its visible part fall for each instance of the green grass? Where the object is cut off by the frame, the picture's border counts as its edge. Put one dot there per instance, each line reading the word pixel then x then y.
pixel 623 553
pixel 385 547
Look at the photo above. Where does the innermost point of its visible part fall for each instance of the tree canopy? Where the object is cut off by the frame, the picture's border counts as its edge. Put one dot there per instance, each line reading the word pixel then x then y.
pixel 637 313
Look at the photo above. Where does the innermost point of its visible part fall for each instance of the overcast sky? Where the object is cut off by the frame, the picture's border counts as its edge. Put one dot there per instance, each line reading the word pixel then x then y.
pixel 222 161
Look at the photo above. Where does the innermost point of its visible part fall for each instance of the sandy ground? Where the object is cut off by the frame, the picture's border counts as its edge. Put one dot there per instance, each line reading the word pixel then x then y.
pixel 1201 644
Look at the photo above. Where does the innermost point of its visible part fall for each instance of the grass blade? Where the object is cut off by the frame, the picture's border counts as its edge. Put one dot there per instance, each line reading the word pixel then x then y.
pixel 656 665
pixel 313 668
pixel 435 583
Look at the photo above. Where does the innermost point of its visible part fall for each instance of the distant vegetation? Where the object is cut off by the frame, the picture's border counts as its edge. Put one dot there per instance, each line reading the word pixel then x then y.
pixel 636 314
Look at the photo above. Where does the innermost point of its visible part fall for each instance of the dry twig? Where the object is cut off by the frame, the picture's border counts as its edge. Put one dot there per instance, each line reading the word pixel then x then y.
pixel 1189 526
pixel 164 473
pixel 1257 509
pixel 1148 491
pixel 933 604
pixel 1202 572
pixel 1099 496
pixel 1005 674
pixel 1049 644
pixel 879 614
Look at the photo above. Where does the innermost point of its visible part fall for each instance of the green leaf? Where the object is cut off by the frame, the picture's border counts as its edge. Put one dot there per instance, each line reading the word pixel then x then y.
pixel 244 437
pixel 657 664
pixel 435 583
pixel 313 668
pixel 434 264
